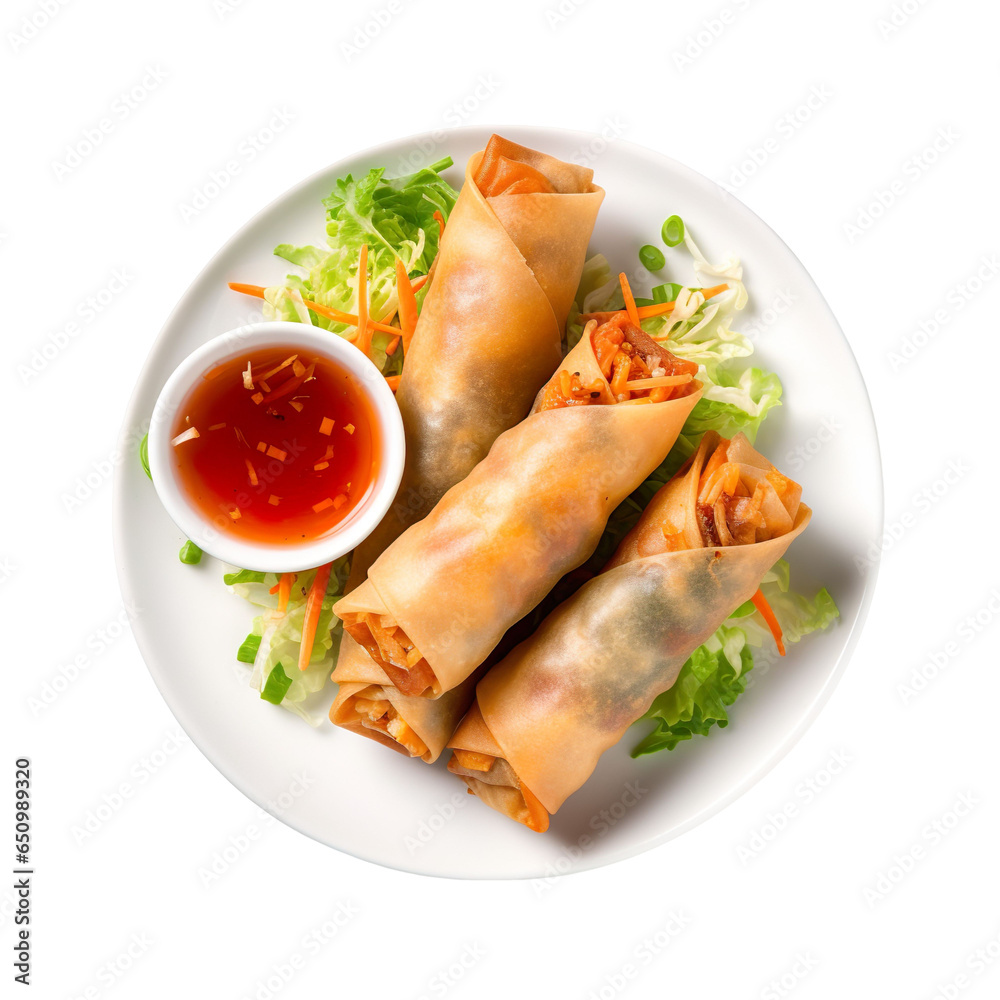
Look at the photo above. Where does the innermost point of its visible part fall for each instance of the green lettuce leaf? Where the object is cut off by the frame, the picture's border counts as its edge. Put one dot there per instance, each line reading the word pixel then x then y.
pixel 715 675
pixel 394 217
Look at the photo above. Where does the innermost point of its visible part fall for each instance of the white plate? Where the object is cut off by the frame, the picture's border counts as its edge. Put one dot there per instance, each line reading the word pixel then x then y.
pixel 377 805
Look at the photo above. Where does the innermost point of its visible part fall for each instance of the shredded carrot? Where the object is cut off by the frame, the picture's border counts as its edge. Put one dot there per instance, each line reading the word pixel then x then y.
pixel 314 605
pixel 719 457
pixel 633 314
pixel 256 290
pixel 606 340
pixel 392 381
pixel 620 368
pixel 278 368
pixel 660 381
pixel 348 319
pixel 291 384
pixel 439 218
pixel 657 309
pixel 538 815
pixel 364 334
pixel 723 480
pixel 284 591
pixel 760 603
pixel 419 283
pixel 407 305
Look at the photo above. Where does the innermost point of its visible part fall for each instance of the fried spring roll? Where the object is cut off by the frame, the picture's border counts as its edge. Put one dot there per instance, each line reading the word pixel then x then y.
pixel 488 336
pixel 491 327
pixel 368 704
pixel 440 598
pixel 545 714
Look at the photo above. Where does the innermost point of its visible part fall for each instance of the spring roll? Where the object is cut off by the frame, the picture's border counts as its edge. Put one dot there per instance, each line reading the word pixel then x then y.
pixel 367 703
pixel 488 336
pixel 545 714
pixel 441 597
pixel 491 327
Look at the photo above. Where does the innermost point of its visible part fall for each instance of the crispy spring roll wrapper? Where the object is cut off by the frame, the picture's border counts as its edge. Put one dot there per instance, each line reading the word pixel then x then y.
pixel 546 713
pixel 368 704
pixel 533 510
pixel 490 330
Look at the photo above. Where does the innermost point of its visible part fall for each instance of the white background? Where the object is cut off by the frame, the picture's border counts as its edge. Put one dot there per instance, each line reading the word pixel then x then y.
pixel 879 882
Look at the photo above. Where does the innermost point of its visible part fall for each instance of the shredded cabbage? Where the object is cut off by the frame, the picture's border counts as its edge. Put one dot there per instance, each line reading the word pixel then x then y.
pixel 281 635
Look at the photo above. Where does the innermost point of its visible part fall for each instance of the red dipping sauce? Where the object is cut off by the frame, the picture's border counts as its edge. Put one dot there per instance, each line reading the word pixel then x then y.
pixel 282 454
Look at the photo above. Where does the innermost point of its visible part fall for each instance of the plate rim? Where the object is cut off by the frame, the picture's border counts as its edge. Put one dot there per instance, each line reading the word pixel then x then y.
pixel 660 160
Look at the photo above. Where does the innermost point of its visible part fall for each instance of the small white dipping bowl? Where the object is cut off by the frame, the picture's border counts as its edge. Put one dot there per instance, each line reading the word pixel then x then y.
pixel 286 557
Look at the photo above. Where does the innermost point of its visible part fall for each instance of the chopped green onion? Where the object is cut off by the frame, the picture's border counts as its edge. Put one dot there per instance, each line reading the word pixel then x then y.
pixel 651 257
pixel 442 164
pixel 243 576
pixel 144 456
pixel 673 231
pixel 247 652
pixel 666 293
pixel 276 686
pixel 190 554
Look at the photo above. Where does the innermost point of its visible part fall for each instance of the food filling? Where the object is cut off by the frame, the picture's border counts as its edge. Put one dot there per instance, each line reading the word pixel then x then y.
pixel 389 646
pixel 377 713
pixel 635 367
pixel 493 780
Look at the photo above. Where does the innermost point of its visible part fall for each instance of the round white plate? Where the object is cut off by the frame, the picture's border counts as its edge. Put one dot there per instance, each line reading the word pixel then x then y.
pixel 377 805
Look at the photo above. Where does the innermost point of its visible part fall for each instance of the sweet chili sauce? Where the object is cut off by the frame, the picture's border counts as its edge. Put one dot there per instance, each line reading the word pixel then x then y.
pixel 278 454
